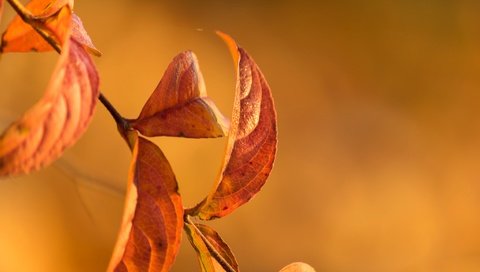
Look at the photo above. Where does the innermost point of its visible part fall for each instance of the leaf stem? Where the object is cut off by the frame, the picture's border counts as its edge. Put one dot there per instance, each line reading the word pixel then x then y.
pixel 215 254
pixel 30 19
pixel 122 123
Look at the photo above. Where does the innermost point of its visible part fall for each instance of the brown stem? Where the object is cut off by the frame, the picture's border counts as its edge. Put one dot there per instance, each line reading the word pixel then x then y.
pixel 215 254
pixel 33 21
pixel 123 125
pixel 113 112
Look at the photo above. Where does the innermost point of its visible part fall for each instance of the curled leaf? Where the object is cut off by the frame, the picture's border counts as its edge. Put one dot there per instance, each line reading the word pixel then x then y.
pixel 150 233
pixel 179 106
pixel 297 267
pixel 56 121
pixel 206 241
pixel 252 140
pixel 50 17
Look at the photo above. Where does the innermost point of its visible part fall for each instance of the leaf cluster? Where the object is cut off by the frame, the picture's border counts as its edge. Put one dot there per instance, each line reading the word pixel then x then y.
pixel 154 216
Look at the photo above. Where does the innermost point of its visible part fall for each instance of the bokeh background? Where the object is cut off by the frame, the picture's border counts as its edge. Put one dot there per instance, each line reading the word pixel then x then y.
pixel 379 139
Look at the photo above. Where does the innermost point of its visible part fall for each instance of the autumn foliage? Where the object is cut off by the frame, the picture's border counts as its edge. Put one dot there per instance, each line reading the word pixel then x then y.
pixel 154 217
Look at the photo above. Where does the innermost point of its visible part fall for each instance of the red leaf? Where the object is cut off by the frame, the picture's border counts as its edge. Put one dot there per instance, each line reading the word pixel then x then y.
pixel 204 240
pixel 179 106
pixel 252 140
pixel 50 17
pixel 56 121
pixel 149 237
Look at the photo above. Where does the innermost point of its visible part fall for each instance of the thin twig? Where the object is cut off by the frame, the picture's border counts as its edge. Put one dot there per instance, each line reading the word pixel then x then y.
pixel 122 122
pixel 215 254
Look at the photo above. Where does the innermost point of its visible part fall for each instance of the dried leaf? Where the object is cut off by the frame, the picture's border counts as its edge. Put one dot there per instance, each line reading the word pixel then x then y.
pixel 179 106
pixel 56 121
pixel 197 234
pixel 297 267
pixel 150 233
pixel 51 17
pixel 252 141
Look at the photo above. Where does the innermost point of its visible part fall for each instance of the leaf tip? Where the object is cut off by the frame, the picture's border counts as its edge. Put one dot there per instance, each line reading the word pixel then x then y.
pixel 231 44
pixel 94 51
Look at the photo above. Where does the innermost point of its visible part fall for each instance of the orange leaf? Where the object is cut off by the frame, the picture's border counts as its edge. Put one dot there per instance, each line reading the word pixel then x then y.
pixel 297 267
pixel 56 121
pixel 51 17
pixel 150 233
pixel 21 37
pixel 179 106
pixel 252 140
pixel 197 234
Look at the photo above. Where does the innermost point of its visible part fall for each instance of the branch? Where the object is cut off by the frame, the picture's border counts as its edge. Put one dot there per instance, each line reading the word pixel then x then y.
pixel 215 254
pixel 31 20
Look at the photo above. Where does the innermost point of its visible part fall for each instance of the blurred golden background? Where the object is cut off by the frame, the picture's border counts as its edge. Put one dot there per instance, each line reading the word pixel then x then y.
pixel 379 143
